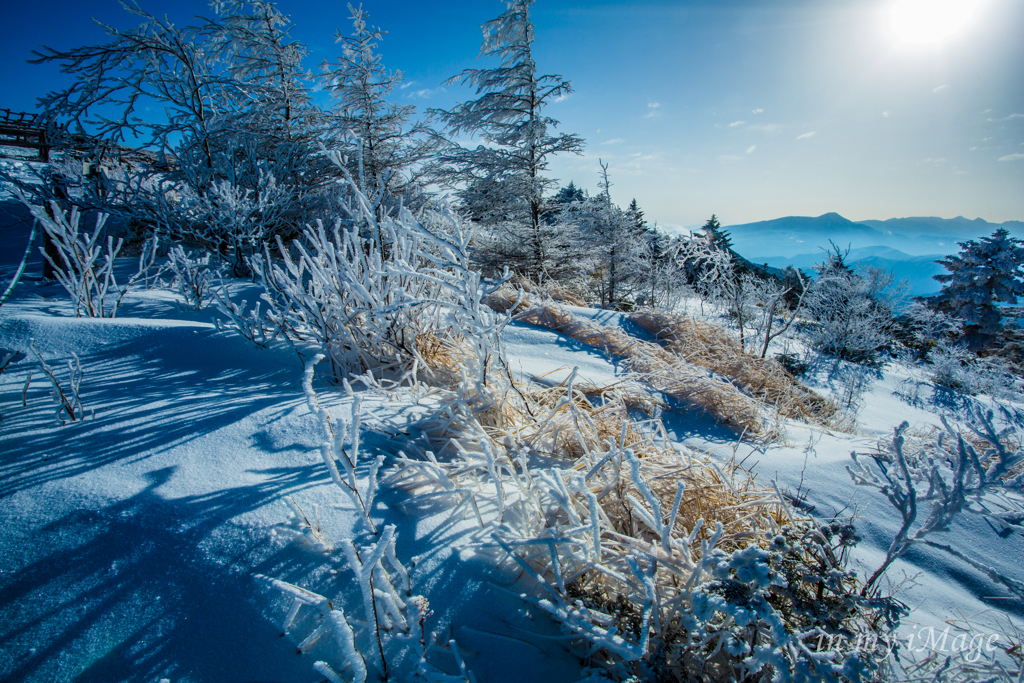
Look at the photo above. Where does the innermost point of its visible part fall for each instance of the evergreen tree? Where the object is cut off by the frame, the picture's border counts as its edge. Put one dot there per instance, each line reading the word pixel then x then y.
pixel 984 273
pixel 502 182
pixel 382 146
pixel 716 237
pixel 609 241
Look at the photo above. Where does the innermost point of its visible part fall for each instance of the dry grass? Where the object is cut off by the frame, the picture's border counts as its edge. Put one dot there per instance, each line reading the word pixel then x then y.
pixel 709 346
pixel 662 369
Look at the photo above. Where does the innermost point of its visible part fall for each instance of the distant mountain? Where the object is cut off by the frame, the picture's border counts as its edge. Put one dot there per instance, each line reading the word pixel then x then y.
pixel 916 270
pixel 958 228
pixel 913 236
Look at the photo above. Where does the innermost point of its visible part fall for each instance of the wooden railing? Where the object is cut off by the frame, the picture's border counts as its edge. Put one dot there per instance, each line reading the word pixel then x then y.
pixel 25 129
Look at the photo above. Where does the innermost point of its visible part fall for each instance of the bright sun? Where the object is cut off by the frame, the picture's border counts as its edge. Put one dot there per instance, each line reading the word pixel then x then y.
pixel 931 21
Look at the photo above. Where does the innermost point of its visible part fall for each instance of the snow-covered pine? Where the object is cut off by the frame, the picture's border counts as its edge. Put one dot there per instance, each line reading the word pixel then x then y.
pixel 609 244
pixel 381 145
pixel 984 274
pixel 502 183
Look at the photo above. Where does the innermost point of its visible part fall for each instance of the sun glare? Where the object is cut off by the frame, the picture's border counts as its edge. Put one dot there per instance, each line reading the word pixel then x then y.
pixel 931 21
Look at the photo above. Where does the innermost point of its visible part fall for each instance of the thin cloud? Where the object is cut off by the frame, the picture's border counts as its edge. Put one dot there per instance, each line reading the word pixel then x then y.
pixel 750 150
pixel 613 141
pixel 885 114
pixel 941 87
pixel 726 158
pixel 807 135
pixel 759 110
pixel 424 93
pixel 936 162
pixel 406 85
pixel 767 127
pixel 736 123
pixel 1012 157
pixel 653 105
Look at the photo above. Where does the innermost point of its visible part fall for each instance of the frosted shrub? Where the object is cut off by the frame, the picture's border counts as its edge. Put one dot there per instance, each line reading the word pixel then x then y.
pixel 853 310
pixel 64 391
pixel 951 476
pixel 405 313
pixel 193 277
pixel 86 266
pixel 644 560
pixel 955 367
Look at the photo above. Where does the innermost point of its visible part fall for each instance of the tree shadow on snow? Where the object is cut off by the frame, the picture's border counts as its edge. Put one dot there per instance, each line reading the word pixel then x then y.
pixel 136 591
pixel 150 393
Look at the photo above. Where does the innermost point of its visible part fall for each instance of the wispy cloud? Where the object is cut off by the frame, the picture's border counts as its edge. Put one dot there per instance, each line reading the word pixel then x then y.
pixel 885 114
pixel 727 158
pixel 613 141
pixel 759 110
pixel 424 93
pixel 1007 118
pixel 934 162
pixel 807 135
pixel 653 105
pixel 750 150
pixel 736 123
pixel 1012 157
pixel 941 87
pixel 767 127
pixel 406 85
pixel 987 111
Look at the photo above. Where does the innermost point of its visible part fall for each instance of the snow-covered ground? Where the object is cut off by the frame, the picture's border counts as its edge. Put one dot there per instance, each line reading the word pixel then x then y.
pixel 130 541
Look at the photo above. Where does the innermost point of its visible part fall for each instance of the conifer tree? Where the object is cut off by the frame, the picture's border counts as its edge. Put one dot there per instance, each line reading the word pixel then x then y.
pixel 503 183
pixel 383 147
pixel 716 237
pixel 984 273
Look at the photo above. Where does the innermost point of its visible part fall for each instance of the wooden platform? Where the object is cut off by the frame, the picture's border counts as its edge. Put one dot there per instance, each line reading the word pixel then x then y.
pixel 24 129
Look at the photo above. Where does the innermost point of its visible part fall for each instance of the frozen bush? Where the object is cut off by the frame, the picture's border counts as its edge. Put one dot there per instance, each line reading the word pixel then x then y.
pixel 853 310
pixel 193 277
pixel 405 313
pixel 956 367
pixel 64 391
pixel 951 476
pixel 86 265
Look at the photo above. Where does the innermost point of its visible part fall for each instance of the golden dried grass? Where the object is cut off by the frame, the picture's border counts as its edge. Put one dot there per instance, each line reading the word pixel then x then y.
pixel 709 346
pixel 662 369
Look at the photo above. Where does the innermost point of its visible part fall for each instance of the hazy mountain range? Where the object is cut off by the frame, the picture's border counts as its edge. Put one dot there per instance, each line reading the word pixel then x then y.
pixel 907 246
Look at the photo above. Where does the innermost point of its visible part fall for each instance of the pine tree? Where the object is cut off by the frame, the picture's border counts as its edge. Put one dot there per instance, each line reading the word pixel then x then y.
pixel 385 146
pixel 716 237
pixel 503 183
pixel 984 273
pixel 609 239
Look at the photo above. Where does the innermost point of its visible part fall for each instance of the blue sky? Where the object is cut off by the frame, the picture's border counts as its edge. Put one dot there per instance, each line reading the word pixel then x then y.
pixel 748 109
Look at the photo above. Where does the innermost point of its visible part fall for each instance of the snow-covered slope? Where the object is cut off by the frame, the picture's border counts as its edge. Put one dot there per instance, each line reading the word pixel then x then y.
pixel 130 540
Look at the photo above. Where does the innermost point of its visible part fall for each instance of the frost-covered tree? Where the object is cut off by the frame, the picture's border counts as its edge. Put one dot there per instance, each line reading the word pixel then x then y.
pixel 715 236
pixel 983 274
pixel 609 243
pixel 383 145
pixel 502 181
pixel 237 120
pixel 854 311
